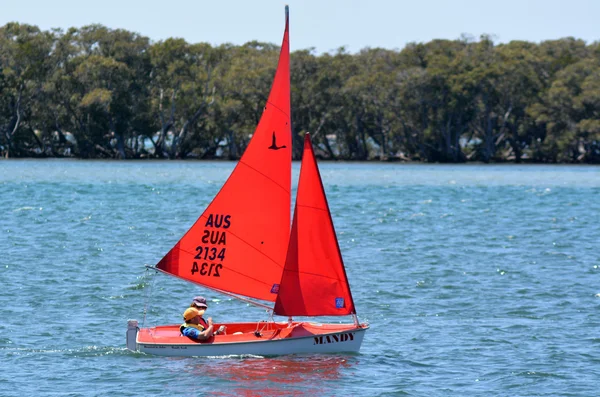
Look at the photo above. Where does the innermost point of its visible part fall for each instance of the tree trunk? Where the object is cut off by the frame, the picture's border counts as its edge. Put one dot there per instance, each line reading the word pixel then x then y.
pixel 166 125
pixel 13 125
pixel 489 148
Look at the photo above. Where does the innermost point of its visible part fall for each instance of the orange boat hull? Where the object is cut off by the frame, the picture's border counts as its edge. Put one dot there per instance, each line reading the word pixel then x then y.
pixel 262 338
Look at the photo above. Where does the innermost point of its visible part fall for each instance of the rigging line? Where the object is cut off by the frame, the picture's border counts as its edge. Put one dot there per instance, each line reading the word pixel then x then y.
pixel 243 299
pixel 148 294
pixel 278 108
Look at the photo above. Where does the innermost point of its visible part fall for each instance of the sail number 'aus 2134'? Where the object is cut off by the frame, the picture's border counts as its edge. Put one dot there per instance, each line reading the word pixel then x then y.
pixel 206 269
pixel 208 252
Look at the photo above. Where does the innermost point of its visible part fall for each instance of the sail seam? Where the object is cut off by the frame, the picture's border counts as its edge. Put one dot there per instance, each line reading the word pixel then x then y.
pixel 311 207
pixel 264 175
pixel 313 274
pixel 249 245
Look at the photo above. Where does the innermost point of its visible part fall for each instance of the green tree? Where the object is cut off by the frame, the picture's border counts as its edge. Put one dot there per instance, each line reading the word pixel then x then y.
pixel 24 53
pixel 242 91
pixel 570 112
pixel 183 89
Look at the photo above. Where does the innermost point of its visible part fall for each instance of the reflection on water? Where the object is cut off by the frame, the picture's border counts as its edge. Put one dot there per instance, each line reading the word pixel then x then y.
pixel 276 376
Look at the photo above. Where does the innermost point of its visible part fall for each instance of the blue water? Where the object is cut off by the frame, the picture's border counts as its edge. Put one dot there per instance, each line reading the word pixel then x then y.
pixel 476 280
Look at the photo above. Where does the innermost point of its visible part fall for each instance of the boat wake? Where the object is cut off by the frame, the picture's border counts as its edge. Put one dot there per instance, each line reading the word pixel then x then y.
pixel 88 351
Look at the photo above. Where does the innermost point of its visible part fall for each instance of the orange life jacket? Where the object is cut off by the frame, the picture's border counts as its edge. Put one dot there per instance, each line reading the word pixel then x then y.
pixel 200 327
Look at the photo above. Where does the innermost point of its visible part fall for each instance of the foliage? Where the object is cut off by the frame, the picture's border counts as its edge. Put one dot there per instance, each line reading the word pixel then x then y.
pixel 96 92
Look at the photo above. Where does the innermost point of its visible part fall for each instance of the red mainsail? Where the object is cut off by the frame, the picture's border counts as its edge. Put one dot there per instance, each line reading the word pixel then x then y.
pixel 239 243
pixel 314 281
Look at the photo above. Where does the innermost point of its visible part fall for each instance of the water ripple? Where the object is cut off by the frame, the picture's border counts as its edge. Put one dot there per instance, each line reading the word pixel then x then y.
pixel 475 281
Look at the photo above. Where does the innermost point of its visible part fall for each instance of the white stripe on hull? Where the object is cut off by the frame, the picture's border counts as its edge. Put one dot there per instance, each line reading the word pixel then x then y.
pixel 342 342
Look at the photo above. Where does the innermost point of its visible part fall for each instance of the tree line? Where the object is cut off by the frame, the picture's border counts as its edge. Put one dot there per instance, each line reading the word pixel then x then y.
pixel 96 92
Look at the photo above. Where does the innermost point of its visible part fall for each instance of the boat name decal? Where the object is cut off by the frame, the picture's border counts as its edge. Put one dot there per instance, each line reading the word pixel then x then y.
pixel 164 347
pixel 335 338
pixel 213 248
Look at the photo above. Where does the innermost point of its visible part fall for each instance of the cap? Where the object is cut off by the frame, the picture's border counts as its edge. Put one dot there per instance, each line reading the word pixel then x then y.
pixel 199 301
pixel 190 313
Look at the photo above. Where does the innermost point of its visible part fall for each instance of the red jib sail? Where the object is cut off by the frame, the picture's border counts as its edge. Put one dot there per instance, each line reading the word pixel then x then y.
pixel 239 243
pixel 314 281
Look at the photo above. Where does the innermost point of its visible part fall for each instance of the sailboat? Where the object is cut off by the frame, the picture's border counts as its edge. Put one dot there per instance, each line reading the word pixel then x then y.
pixel 242 246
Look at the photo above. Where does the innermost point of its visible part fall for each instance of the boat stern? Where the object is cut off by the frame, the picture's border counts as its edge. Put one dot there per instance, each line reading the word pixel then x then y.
pixel 132 331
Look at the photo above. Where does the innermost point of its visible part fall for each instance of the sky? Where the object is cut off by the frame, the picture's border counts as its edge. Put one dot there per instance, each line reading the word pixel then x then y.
pixel 323 25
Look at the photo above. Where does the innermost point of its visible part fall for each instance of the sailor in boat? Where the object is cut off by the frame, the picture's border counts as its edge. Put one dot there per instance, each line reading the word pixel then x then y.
pixel 196 327
pixel 199 303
